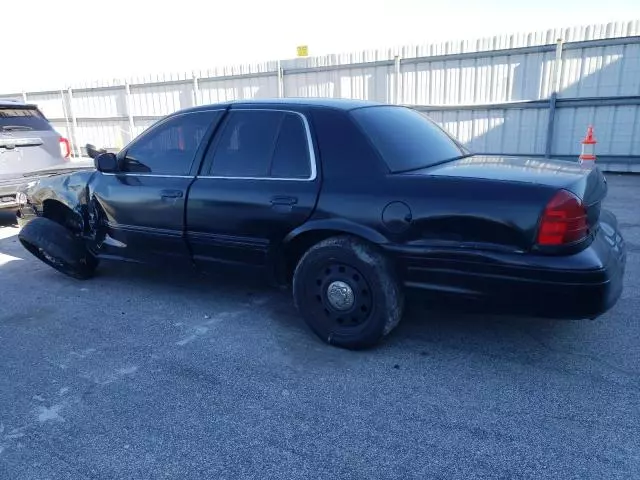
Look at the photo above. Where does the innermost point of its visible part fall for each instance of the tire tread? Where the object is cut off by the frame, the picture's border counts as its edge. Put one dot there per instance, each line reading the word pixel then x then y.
pixel 60 243
pixel 388 282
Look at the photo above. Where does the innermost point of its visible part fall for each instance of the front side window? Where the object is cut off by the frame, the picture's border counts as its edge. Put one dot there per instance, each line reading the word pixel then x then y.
pixel 262 144
pixel 169 148
pixel 405 138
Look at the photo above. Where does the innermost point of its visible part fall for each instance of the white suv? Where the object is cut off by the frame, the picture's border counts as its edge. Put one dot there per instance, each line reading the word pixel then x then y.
pixel 28 143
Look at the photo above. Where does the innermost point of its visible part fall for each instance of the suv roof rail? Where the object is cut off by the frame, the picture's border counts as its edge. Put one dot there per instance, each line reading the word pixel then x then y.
pixel 12 101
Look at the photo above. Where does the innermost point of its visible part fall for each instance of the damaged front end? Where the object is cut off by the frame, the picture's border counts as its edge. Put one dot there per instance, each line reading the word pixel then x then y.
pixel 64 197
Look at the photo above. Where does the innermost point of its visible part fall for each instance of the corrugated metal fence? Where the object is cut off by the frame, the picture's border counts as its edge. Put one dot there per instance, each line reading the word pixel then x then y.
pixel 524 94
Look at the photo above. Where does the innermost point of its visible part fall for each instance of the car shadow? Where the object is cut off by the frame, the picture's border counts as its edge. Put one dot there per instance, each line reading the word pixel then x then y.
pixel 429 324
pixel 462 325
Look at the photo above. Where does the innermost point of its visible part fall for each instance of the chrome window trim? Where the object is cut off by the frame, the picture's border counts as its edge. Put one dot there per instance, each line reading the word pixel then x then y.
pixel 135 174
pixel 309 179
pixel 305 122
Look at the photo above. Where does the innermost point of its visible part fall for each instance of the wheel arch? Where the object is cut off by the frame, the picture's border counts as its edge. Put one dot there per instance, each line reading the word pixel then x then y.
pixel 297 242
pixel 60 212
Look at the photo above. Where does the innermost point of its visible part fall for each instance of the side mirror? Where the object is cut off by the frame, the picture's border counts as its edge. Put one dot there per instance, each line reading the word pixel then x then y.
pixel 106 162
pixel 93 152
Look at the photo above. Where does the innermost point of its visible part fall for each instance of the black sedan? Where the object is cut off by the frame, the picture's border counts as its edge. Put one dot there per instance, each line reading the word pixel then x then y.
pixel 350 202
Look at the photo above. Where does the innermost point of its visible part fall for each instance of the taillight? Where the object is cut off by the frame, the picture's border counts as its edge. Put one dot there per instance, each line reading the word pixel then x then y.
pixel 564 220
pixel 65 148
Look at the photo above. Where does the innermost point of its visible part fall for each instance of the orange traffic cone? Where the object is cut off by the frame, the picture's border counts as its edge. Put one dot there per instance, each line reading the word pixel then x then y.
pixel 588 154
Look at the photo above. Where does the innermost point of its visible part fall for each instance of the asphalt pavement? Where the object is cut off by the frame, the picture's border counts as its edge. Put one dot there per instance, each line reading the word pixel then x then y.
pixel 152 375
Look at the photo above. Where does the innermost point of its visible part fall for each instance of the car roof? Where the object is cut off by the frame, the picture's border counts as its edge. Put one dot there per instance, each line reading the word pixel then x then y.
pixel 7 102
pixel 335 103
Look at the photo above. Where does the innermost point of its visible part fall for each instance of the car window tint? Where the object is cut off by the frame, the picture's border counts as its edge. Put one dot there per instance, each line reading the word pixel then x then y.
pixel 291 155
pixel 344 148
pixel 169 149
pixel 246 144
pixel 405 138
pixel 16 119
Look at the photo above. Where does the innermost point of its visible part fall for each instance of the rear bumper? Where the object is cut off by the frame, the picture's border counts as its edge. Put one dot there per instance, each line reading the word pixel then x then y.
pixel 582 285
pixel 8 190
pixel 8 204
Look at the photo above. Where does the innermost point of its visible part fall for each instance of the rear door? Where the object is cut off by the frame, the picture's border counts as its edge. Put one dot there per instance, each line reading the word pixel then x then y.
pixel 259 181
pixel 27 141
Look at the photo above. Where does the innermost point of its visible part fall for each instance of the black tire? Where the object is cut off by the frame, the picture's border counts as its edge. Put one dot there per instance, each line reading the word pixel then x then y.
pixel 58 247
pixel 362 320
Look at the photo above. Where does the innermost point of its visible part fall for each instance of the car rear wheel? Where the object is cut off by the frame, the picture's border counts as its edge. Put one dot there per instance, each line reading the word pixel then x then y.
pixel 56 246
pixel 348 293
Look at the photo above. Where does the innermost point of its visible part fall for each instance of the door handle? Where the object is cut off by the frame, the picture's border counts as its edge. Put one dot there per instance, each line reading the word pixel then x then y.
pixel 171 193
pixel 284 201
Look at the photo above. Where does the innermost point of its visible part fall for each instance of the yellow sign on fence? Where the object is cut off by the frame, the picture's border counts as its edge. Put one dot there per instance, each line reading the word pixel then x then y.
pixel 303 51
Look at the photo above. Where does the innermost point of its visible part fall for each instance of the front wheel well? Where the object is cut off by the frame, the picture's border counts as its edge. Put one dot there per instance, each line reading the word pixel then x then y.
pixel 63 215
pixel 296 248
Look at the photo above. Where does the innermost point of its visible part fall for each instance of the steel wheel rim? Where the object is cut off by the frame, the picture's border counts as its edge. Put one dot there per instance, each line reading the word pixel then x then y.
pixel 341 295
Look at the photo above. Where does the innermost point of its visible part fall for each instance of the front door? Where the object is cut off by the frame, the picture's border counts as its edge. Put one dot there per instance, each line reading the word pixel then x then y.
pixel 259 181
pixel 143 205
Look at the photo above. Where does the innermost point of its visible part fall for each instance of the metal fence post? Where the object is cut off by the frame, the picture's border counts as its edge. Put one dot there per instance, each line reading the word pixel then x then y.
pixel 196 91
pixel 74 126
pixel 550 124
pixel 127 91
pixel 280 80
pixel 557 65
pixel 398 84
pixel 65 111
pixel 555 88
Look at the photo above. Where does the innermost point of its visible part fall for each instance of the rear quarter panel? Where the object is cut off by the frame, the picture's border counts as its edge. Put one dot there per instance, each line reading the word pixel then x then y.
pixel 431 212
pixel 468 212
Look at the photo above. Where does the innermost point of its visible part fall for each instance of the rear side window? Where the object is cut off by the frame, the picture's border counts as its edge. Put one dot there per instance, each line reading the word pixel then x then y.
pixel 291 155
pixel 22 119
pixel 246 144
pixel 406 139
pixel 344 149
pixel 262 144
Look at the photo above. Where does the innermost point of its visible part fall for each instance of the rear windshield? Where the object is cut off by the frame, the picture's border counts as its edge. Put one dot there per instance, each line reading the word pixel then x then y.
pixel 405 138
pixel 22 119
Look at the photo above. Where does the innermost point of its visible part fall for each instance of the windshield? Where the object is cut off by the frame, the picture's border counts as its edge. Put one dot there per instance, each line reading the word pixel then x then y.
pixel 405 138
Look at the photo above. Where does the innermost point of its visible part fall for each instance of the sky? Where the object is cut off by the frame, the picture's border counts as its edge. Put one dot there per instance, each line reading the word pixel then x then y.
pixel 67 42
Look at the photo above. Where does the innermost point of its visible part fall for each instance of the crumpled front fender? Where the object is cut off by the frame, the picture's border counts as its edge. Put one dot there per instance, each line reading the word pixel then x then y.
pixel 71 190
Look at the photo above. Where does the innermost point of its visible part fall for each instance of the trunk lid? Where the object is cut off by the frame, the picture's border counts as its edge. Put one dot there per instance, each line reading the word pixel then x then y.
pixel 543 175
pixel 589 184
